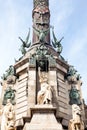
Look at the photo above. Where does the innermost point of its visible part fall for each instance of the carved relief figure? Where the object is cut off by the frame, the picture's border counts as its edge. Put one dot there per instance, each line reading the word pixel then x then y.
pixel 76 123
pixel 45 94
pixel 8 117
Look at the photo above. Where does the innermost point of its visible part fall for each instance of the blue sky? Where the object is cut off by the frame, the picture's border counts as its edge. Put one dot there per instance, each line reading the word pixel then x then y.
pixel 69 18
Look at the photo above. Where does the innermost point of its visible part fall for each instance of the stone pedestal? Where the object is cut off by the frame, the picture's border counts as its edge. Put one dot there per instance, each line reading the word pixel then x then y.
pixel 43 118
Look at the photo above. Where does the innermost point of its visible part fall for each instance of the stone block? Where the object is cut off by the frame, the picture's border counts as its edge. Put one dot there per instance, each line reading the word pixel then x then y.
pixel 61 89
pixel 21 94
pixel 22 81
pixel 22 99
pixel 23 76
pixel 22 89
pixel 21 68
pixel 60 76
pixel 43 118
pixel 21 110
pixel 24 103
pixel 19 116
pixel 61 68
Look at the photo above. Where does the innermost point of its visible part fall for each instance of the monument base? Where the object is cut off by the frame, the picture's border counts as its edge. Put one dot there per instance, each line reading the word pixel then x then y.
pixel 43 118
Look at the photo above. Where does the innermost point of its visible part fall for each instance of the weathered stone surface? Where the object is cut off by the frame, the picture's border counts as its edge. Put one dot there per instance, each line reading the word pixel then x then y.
pixel 21 110
pixel 23 76
pixel 22 89
pixel 22 81
pixel 20 100
pixel 31 90
pixel 24 103
pixel 43 118
pixel 21 94
pixel 21 68
pixel 61 68
pixel 20 116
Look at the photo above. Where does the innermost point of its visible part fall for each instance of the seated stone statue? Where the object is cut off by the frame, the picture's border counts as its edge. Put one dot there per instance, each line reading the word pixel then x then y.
pixel 8 117
pixel 76 123
pixel 45 94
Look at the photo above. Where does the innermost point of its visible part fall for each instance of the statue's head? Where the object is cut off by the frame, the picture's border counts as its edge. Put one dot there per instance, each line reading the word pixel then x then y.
pixel 41 15
pixel 76 109
pixel 43 77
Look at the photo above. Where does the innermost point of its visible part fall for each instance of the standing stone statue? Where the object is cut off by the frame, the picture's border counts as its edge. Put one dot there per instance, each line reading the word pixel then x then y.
pixel 76 123
pixel 45 94
pixel 8 117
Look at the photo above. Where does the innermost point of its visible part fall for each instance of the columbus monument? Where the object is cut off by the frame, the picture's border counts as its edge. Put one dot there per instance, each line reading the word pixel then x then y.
pixel 41 91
